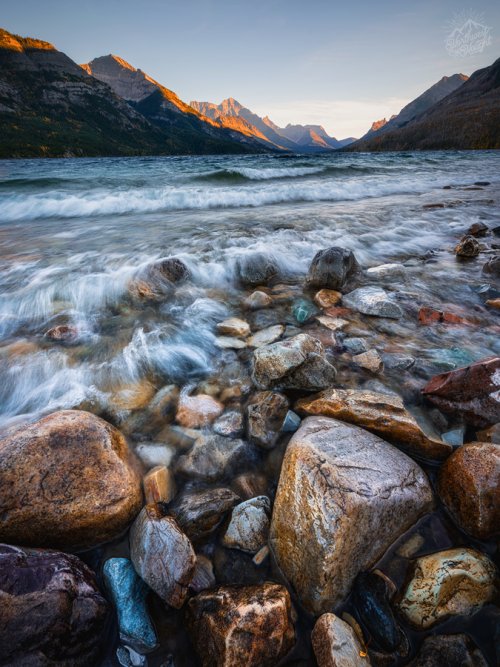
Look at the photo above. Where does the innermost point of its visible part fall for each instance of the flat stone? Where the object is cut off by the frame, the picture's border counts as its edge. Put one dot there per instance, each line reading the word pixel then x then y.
pixel 387 272
pixel 397 362
pixel 159 485
pixel 335 476
pixel 448 583
pixel 371 360
pixel 382 414
pixel 234 326
pixel 51 482
pixel 355 345
pixel 197 411
pixel 132 396
pixel 325 298
pixel 266 336
pixel 335 644
pixel 266 414
pixel 230 343
pixel 214 456
pixel 233 626
pixel 291 423
pixel 199 513
pixel 332 323
pixel 372 301
pixel 249 526
pixel 162 555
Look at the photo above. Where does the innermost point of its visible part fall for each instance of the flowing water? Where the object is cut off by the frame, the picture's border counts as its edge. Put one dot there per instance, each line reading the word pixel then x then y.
pixel 77 235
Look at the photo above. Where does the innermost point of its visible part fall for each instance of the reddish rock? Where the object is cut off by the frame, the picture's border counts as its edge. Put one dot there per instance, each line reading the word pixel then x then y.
pixel 469 486
pixel 63 333
pixel 472 393
pixel 51 611
pixel 196 411
pixel 428 315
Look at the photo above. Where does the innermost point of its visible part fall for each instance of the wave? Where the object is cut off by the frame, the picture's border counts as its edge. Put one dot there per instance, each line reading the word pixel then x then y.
pixel 243 174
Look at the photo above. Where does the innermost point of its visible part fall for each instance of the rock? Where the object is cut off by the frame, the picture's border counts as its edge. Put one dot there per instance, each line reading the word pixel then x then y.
pixel 230 343
pixel 336 476
pixel 370 596
pixel 51 611
pixel 467 247
pixel 127 657
pixel 335 644
pixel 266 336
pixel 203 577
pixel 455 437
pixel 257 300
pixel 471 393
pixel 492 266
pixel 249 525
pixel 387 272
pixel 155 454
pixel 172 269
pixel 469 486
pixel 371 360
pixel 326 298
pixel 63 333
pixel 332 323
pixel 332 268
pixel 450 650
pixel 132 396
pixel 52 491
pixel 164 404
pixel 478 229
pixel 428 316
pixel 249 485
pixel 200 513
pixel 355 345
pixel 493 303
pixel 291 423
pixel 397 362
pixel 128 593
pixel 266 414
pixel 162 555
pixel 303 310
pixel 448 583
pixel 157 280
pixel 491 434
pixel 233 626
pixel 196 411
pixel 261 555
pixel 373 301
pixel 234 327
pixel 296 363
pixel 229 424
pixel 383 414
pixel 159 485
pixel 214 456
pixel 256 269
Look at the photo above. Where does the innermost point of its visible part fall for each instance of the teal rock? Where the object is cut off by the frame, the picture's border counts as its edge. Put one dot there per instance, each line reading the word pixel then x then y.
pixel 454 437
pixel 291 423
pixel 303 310
pixel 128 593
pixel 448 359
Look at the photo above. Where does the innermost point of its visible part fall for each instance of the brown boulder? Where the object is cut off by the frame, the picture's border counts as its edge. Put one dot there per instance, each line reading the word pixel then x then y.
pixel 383 414
pixel 471 393
pixel 467 247
pixel 469 486
pixel 233 626
pixel 69 481
pixel 51 611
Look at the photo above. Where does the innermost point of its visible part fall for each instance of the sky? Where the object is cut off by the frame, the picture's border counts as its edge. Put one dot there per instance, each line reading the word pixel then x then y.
pixel 338 64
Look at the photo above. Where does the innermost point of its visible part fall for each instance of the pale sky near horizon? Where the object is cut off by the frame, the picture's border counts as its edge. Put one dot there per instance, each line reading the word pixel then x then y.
pixel 338 64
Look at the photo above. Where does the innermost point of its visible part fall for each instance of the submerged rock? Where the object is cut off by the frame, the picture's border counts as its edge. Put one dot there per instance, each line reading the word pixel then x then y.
pixel 199 513
pixel 266 336
pixel 471 393
pixel 233 326
pixel 157 280
pixel 372 301
pixel 452 582
pixel 343 497
pixel 256 268
pixel 229 424
pixel 467 247
pixel 355 345
pixel 478 229
pixel 51 611
pixel 326 298
pixel 296 363
pixel 383 414
pixel 159 485
pixel 370 597
pixel 332 268
pixel 492 266
pixel 257 300
pixel 469 486
pixel 128 592
pixel 162 555
pixel 449 651
pixel 51 482
pixel 233 626
pixel 335 644
pixel 266 413
pixel 214 456
pixel 303 310
pixel 387 272
pixel 199 410
pixel 249 525
pixel 63 333
pixel 371 360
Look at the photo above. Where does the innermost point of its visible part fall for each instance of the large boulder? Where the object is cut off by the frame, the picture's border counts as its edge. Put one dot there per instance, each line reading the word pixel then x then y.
pixel 469 486
pixel 383 414
pixel 332 268
pixel 335 644
pixel 372 301
pixel 51 611
pixel 233 626
pixel 296 363
pixel 471 393
pixel 67 481
pixel 343 497
pixel 256 268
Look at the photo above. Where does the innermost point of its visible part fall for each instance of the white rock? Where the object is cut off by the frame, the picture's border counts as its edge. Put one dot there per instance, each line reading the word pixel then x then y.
pixel 249 525
pixel 372 301
pixel 266 336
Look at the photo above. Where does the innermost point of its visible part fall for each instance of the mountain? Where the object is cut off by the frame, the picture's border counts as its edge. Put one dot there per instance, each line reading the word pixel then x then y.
pixel 467 118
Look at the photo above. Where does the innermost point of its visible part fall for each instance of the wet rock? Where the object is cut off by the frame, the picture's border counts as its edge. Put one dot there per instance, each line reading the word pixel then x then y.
pixel 132 396
pixel 296 363
pixel 261 555
pixel 469 486
pixel 233 626
pixel 492 266
pixel 51 482
pixel 257 300
pixel 63 333
pixel 478 229
pixel 214 456
pixel 229 424
pixel 203 577
pixel 256 269
pixel 51 611
pixel 371 360
pixel 230 343
pixel 233 326
pixel 450 650
pixel 355 345
pixel 429 316
pixel 335 644
pixel 128 593
pixel 303 310
pixel 157 280
pixel 196 411
pixel 332 268
pixel 249 485
pixel 467 247
pixel 172 269
pixel 471 393
pixel 452 582
pixel 336 476
pixel 383 414
pixel 373 301
pixel 164 403
pixel 387 272
pixel 159 485
pixel 332 323
pixel 162 555
pixel 200 513
pixel 491 434
pixel 155 454
pixel 266 414
pixel 371 599
pixel 493 303
pixel 397 362
pixel 291 423
pixel 326 298
pixel 249 526
pixel 266 336
pixel 455 437
pixel 127 657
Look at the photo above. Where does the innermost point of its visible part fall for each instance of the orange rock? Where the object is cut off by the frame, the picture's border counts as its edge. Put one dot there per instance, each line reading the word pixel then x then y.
pixel 428 315
pixel 327 297
pixel 159 485
pixel 493 303
pixel 196 411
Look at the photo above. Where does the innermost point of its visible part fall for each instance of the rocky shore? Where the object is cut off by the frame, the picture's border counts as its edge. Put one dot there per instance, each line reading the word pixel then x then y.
pixel 319 498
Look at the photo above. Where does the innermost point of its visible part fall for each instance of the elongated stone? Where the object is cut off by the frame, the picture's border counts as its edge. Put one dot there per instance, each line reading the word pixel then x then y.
pixel 159 485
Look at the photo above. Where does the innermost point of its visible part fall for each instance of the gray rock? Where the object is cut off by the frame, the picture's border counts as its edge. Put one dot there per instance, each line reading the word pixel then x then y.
pixel 355 345
pixel 372 301
pixel 256 268
pixel 203 577
pixel 343 497
pixel 266 414
pixel 332 268
pixel 229 424
pixel 291 423
pixel 397 362
pixel 249 526
pixel 214 456
pixel 335 644
pixel 266 336
pixel 387 272
pixel 199 513
pixel 492 266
